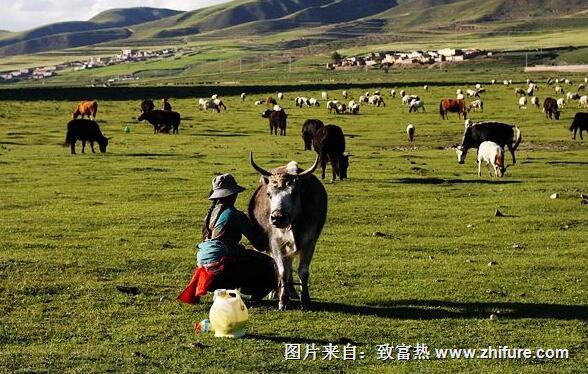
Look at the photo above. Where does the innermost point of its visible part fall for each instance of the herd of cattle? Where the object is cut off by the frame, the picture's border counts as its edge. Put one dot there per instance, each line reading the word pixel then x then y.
pixel 289 206
pixel 329 141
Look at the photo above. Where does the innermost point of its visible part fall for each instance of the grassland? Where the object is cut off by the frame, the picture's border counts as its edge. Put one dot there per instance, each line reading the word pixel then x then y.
pixel 76 229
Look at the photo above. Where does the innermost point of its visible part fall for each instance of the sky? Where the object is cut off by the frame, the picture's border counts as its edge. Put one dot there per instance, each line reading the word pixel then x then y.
pixel 18 15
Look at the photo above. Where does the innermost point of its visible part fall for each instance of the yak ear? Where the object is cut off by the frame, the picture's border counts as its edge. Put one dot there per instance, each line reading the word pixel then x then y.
pixel 109 137
pixel 264 180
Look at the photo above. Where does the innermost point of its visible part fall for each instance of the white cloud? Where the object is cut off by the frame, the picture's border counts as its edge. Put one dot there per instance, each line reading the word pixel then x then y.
pixel 20 15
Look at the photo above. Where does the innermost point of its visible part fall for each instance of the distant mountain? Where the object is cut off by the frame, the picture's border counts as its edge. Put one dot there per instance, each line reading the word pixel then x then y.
pixel 332 19
pixel 108 25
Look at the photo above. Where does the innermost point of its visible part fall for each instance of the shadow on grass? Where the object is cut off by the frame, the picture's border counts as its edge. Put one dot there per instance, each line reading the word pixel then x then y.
pixel 437 309
pixel 453 181
pixel 580 163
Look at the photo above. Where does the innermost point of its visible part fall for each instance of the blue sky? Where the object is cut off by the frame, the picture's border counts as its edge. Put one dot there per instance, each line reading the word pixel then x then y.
pixel 18 15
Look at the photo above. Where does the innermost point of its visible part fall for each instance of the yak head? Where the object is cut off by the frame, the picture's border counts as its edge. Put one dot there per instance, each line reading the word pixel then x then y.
pixel 282 187
pixel 103 144
pixel 266 113
pixel 461 152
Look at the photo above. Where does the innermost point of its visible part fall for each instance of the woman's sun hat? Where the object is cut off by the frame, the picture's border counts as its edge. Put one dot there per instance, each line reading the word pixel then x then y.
pixel 224 185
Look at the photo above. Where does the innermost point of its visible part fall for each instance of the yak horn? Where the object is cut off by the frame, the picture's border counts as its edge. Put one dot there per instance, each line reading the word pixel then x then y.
pixel 261 171
pixel 311 169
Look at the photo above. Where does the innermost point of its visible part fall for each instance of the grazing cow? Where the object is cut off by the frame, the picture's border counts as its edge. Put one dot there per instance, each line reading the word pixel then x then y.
pixel 425 87
pixel 162 120
pixel 415 105
pixel 344 94
pixel 353 107
pixel 573 96
pixel 477 105
pixel 259 102
pixel 309 129
pixel 506 83
pixel 459 91
pixel 471 93
pixel 410 129
pixel 280 95
pixel 88 131
pixel 493 81
pixel 277 120
pixel 493 154
pixel 393 94
pixel 147 106
pixel 325 95
pixel 270 101
pixel 551 108
pixel 218 105
pixel 520 92
pixel 581 86
pixel 166 105
pixel 402 93
pixel 363 99
pixel 535 102
pixel 559 90
pixel 376 100
pixel 313 102
pixel 500 133
pixel 333 105
pixel 583 102
pixel 523 102
pixel 329 144
pixel 288 210
pixel 580 122
pixel 243 96
pixel 301 101
pixel 454 106
pixel 561 102
pixel 86 108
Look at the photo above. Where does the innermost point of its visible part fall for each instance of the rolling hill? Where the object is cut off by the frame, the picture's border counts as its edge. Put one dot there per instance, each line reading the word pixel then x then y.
pixel 324 19
pixel 108 25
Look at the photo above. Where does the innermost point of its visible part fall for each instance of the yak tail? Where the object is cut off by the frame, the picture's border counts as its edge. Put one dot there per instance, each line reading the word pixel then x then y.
pixel 69 137
pixel 518 139
pixel 441 109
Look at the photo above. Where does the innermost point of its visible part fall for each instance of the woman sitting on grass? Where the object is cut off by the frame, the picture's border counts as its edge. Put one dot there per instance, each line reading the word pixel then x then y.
pixel 222 261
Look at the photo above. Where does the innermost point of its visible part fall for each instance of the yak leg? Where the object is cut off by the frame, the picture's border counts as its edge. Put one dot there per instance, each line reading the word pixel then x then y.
pixel 512 152
pixel 92 146
pixel 576 130
pixel 83 146
pixel 479 168
pixel 304 273
pixel 283 270
pixel 323 165
pixel 334 167
pixel 582 138
pixel 488 168
pixel 72 147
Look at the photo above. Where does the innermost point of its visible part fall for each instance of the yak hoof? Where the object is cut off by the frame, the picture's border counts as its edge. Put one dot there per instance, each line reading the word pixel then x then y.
pixel 283 305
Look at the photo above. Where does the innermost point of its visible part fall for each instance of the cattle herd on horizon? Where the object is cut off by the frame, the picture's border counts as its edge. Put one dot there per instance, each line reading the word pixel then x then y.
pixel 329 141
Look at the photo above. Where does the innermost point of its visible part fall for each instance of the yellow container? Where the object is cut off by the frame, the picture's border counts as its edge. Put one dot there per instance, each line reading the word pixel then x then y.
pixel 228 314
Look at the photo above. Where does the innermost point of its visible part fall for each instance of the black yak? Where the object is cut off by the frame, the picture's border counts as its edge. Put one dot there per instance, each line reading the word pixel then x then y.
pixel 162 121
pixel 87 131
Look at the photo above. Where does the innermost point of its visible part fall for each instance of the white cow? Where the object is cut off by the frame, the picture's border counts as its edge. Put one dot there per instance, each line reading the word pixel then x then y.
pixel 583 103
pixel 280 95
pixel 561 102
pixel 535 101
pixel 523 102
pixel 477 105
pixel 492 154
pixel 410 130
pixel 325 95
pixel 243 95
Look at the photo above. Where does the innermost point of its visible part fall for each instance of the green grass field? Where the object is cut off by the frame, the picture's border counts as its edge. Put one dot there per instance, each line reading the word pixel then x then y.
pixel 75 229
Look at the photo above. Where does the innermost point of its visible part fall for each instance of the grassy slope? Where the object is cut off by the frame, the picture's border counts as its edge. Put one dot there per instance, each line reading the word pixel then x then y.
pixel 75 228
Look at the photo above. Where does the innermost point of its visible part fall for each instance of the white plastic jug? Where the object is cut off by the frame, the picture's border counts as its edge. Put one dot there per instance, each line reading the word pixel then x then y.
pixel 228 314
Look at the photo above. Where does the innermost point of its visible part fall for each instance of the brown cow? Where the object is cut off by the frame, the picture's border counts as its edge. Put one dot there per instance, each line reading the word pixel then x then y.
pixel 451 105
pixel 86 108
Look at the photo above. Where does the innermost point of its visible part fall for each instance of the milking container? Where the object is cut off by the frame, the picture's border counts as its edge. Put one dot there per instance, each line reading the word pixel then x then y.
pixel 228 314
